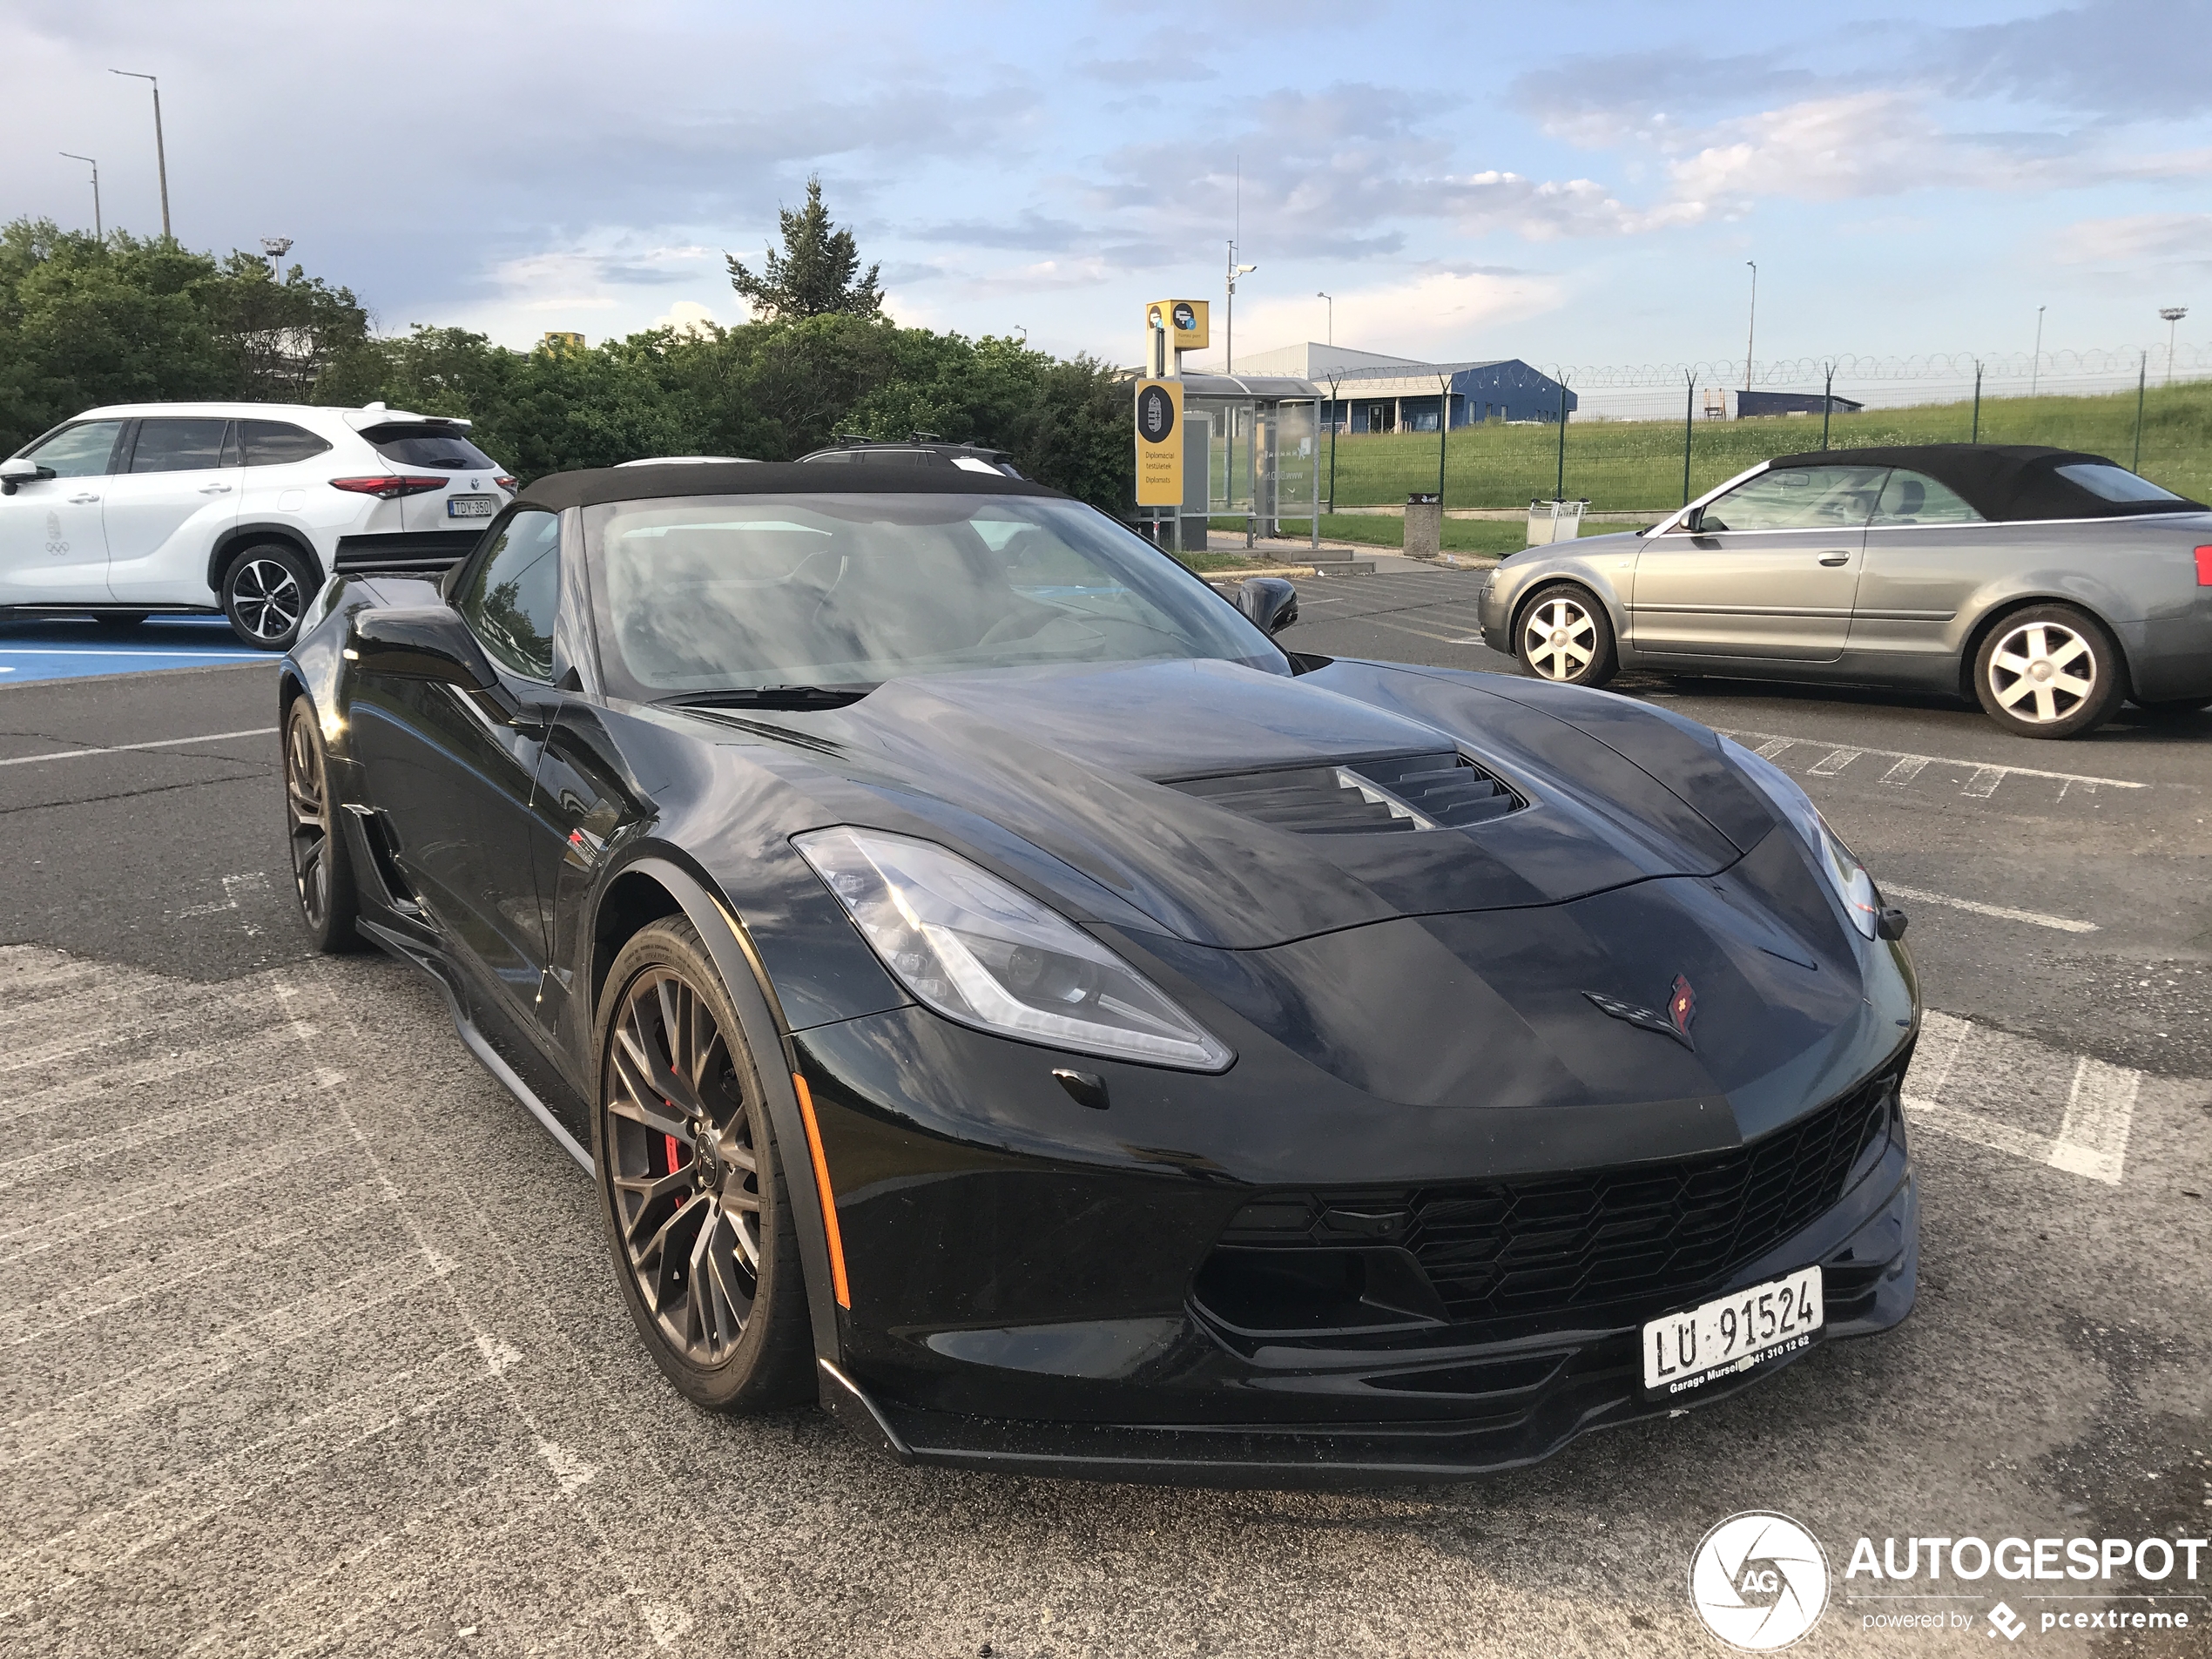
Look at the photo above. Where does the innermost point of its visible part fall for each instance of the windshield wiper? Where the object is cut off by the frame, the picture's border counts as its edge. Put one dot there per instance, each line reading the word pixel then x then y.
pixel 775 696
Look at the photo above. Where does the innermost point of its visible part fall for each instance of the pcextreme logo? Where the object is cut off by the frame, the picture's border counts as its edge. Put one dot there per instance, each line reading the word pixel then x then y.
pixel 1759 1581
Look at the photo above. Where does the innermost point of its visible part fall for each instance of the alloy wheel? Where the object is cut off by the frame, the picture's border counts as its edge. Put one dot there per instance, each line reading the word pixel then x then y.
pixel 307 815
pixel 2041 671
pixel 1559 638
pixel 683 1167
pixel 264 597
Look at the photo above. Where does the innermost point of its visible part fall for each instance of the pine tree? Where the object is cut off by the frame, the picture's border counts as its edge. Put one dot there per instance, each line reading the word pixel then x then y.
pixel 817 275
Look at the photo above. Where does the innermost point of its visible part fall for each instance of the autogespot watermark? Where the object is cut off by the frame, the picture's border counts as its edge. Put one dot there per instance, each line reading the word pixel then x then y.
pixel 1760 1581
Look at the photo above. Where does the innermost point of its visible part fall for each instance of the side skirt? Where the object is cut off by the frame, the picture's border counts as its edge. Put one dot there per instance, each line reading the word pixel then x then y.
pixel 478 1044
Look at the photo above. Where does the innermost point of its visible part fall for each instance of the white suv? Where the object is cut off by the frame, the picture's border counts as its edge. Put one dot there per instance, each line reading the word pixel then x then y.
pixel 244 508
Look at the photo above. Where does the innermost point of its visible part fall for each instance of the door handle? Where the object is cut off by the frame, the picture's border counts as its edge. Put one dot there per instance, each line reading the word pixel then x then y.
pixel 215 489
pixel 82 500
pixel 1835 558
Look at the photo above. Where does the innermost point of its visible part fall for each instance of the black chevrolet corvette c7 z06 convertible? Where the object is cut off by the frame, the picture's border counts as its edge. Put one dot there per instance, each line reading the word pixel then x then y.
pixel 999 992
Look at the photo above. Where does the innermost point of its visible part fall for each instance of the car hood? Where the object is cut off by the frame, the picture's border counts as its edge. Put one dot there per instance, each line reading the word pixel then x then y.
pixel 1154 791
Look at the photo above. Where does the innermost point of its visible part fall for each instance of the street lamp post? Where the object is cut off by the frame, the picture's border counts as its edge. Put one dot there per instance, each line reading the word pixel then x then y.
pixel 160 150
pixel 1331 299
pixel 98 233
pixel 2173 315
pixel 1751 331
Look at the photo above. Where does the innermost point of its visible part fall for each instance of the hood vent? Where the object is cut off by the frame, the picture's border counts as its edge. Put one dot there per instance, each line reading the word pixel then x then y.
pixel 1376 796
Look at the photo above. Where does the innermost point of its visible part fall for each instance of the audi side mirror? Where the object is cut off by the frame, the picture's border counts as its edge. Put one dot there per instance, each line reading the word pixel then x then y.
pixel 1270 602
pixel 419 642
pixel 1694 520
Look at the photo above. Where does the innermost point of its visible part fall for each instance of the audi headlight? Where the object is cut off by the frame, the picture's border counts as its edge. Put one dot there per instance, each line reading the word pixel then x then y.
pixel 1836 861
pixel 979 952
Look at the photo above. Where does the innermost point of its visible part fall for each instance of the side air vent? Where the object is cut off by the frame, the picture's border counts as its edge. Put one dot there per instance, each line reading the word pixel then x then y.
pixel 1404 796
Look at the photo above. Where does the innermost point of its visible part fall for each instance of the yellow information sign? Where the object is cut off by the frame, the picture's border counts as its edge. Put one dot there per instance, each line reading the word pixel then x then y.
pixel 1159 444
pixel 1184 318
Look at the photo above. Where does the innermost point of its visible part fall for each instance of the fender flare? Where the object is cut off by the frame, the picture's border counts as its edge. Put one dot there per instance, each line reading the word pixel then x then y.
pixel 760 1015
pixel 238 538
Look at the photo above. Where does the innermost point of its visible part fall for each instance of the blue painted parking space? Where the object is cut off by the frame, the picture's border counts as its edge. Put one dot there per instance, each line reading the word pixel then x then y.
pixel 54 647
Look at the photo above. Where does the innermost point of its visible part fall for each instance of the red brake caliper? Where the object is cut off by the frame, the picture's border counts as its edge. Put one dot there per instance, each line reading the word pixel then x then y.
pixel 675 1161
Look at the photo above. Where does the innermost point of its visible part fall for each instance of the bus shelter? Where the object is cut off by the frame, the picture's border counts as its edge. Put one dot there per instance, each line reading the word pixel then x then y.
pixel 1252 451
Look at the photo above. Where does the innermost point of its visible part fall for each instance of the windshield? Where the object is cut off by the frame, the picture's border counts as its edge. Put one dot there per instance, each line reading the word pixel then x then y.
pixel 737 592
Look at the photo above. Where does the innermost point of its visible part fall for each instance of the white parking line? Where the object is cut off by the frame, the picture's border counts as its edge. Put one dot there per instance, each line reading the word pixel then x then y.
pixel 1971 1082
pixel 123 748
pixel 2034 918
pixel 1983 776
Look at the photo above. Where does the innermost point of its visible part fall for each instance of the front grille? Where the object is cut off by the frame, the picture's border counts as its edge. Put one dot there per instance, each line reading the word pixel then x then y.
pixel 1403 796
pixel 1664 1231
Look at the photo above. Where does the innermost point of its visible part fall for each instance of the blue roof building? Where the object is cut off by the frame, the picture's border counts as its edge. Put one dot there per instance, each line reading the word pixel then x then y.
pixel 1367 391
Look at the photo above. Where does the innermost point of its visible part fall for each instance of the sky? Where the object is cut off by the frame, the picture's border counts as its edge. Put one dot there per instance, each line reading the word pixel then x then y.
pixel 1573 183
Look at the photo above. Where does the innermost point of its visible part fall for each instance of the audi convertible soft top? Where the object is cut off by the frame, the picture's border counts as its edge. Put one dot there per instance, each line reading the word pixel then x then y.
pixel 1000 992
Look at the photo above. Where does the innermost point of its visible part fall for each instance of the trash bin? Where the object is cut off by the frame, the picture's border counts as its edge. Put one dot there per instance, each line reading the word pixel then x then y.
pixel 1424 526
pixel 1555 521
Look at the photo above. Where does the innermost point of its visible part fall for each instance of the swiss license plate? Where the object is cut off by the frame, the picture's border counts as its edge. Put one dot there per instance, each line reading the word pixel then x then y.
pixel 1684 1351
pixel 471 506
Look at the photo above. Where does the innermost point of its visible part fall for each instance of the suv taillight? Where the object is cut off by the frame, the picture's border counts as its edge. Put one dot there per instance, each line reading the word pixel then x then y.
pixel 390 486
pixel 2204 567
pixel 505 483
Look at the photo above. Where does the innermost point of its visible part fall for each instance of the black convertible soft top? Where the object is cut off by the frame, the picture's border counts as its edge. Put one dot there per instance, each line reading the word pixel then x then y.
pixel 2000 481
pixel 589 488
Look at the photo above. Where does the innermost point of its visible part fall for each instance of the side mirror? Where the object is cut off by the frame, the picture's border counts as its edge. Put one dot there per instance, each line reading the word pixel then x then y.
pixel 20 471
pixel 1694 521
pixel 1270 602
pixel 419 642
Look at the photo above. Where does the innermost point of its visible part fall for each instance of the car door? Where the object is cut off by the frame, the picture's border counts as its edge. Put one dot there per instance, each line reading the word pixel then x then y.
pixel 1769 571
pixel 53 546
pixel 451 771
pixel 175 495
pixel 1927 553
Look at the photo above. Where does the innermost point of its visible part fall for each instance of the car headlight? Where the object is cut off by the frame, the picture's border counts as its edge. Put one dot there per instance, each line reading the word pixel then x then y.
pixel 979 952
pixel 1836 861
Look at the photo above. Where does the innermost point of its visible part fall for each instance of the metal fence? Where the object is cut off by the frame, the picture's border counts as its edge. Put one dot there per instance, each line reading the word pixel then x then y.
pixel 1648 437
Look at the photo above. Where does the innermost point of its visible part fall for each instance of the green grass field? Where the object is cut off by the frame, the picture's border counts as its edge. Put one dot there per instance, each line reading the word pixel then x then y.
pixel 1637 465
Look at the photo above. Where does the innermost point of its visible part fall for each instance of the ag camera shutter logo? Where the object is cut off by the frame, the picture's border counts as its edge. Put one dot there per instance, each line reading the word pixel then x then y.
pixel 1759 1581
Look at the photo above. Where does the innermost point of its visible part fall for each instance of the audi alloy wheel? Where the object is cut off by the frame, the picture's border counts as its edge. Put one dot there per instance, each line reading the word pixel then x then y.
pixel 2049 671
pixel 1565 635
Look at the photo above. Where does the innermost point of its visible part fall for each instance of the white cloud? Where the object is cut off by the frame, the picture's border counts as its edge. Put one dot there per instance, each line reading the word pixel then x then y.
pixel 1437 315
pixel 2156 238
pixel 686 317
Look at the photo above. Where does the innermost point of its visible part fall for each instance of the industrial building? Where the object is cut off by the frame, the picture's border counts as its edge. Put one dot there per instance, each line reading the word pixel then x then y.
pixel 1367 391
pixel 1750 405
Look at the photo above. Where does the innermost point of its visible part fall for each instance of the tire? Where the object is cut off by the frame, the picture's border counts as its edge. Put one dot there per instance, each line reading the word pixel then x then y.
pixel 323 868
pixel 2049 671
pixel 118 619
pixel 680 1094
pixel 1564 635
pixel 265 590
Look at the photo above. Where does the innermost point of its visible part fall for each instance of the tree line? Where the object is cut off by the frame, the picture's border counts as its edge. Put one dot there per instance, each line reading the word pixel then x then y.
pixel 87 321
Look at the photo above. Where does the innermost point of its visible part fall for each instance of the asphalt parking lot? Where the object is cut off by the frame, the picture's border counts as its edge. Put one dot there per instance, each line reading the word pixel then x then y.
pixel 313 1347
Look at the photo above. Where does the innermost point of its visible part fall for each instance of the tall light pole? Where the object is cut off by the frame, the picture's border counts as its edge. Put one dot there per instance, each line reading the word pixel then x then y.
pixel 160 150
pixel 2035 362
pixel 2173 314
pixel 1751 331
pixel 274 249
pixel 99 234
pixel 1331 299
pixel 1228 348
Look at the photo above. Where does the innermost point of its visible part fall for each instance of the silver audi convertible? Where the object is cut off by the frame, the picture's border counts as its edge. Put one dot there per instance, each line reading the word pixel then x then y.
pixel 2048 584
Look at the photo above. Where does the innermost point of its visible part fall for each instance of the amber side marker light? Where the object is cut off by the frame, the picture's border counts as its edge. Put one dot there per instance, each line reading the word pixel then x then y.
pixel 822 1187
pixel 2204 567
